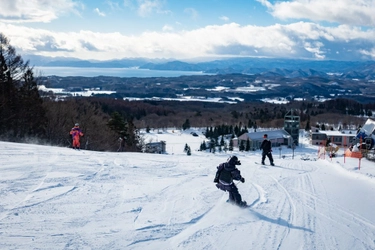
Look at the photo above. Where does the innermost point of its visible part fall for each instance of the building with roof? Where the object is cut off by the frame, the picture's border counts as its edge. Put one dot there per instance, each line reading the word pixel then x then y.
pixel 340 138
pixel 345 138
pixel 368 129
pixel 277 138
pixel 156 147
pixel 366 134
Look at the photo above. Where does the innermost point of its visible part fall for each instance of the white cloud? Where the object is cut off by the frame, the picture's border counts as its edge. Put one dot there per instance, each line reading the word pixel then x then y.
pixel 370 53
pixel 167 28
pixel 307 40
pixel 97 11
pixel 148 7
pixel 314 48
pixel 113 5
pixel 350 12
pixel 192 13
pixel 224 18
pixel 18 11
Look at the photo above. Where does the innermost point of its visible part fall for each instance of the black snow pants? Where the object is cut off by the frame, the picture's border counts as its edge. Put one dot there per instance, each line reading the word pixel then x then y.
pixel 269 155
pixel 234 195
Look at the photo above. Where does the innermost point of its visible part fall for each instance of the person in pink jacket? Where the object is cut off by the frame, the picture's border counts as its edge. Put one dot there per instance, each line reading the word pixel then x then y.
pixel 76 133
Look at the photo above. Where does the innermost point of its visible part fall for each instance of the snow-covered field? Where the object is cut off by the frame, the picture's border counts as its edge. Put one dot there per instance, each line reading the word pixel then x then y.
pixel 59 198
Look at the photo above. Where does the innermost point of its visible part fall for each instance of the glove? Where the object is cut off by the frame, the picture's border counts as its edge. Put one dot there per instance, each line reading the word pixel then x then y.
pixel 242 180
pixel 216 180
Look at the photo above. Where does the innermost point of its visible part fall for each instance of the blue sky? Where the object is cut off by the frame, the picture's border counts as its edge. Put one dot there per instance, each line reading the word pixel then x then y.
pixel 187 30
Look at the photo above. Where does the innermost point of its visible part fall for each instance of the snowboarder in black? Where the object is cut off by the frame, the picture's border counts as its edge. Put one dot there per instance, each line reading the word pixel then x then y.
pixel 225 174
pixel 267 150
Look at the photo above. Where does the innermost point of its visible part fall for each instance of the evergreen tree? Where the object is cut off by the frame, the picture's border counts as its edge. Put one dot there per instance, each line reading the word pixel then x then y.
pixel 236 130
pixel 186 124
pixel 323 127
pixel 21 110
pixel 203 146
pixel 230 145
pixel 186 147
pixel 307 127
pixel 207 133
pixel 219 148
pixel 247 148
pixel 250 123
pixel 118 124
pixel 31 117
pixel 222 141
pixel 225 147
pixel 242 146
pixel 133 136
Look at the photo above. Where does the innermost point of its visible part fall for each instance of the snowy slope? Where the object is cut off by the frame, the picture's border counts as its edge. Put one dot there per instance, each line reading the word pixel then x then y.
pixel 59 198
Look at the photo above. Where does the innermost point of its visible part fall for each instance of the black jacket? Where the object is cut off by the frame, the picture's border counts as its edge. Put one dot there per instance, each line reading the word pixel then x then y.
pixel 266 146
pixel 226 173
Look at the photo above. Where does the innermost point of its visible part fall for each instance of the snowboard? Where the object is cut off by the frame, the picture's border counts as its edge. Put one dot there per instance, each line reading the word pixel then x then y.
pixel 267 165
pixel 245 205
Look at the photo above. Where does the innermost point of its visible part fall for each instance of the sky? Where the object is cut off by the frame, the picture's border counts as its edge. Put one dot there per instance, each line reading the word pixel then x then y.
pixel 191 30
pixel 60 198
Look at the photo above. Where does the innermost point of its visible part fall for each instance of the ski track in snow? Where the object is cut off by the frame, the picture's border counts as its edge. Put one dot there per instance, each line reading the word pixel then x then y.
pixel 67 199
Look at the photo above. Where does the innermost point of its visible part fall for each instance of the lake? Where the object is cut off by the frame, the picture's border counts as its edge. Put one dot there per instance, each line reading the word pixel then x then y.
pixel 118 72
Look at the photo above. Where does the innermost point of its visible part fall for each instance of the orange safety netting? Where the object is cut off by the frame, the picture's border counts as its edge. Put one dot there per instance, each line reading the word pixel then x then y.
pixel 349 153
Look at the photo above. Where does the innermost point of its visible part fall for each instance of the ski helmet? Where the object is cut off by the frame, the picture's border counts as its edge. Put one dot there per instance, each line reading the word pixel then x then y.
pixel 234 161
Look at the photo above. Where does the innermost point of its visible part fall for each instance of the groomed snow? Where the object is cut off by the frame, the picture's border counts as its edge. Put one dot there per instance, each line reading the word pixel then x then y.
pixel 60 198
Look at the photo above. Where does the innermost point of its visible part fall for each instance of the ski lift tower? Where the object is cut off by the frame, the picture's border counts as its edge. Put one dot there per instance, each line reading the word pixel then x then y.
pixel 291 125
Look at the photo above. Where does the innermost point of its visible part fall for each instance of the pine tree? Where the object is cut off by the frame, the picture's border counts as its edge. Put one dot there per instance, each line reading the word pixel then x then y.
pixel 230 145
pixel 21 111
pixel 225 147
pixel 117 124
pixel 133 136
pixel 32 116
pixel 186 124
pixel 307 127
pixel 247 148
pixel 242 146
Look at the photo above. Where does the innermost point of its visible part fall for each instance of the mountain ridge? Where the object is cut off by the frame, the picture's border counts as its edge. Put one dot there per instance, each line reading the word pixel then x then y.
pixel 265 66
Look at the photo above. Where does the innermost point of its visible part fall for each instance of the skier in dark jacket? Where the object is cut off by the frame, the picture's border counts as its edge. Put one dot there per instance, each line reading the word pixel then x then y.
pixel 267 150
pixel 225 174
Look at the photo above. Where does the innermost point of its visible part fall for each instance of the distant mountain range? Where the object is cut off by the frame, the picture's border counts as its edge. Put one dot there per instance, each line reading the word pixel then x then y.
pixel 265 66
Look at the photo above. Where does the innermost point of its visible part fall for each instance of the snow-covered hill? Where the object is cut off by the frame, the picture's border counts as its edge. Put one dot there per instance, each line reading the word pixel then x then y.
pixel 59 198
